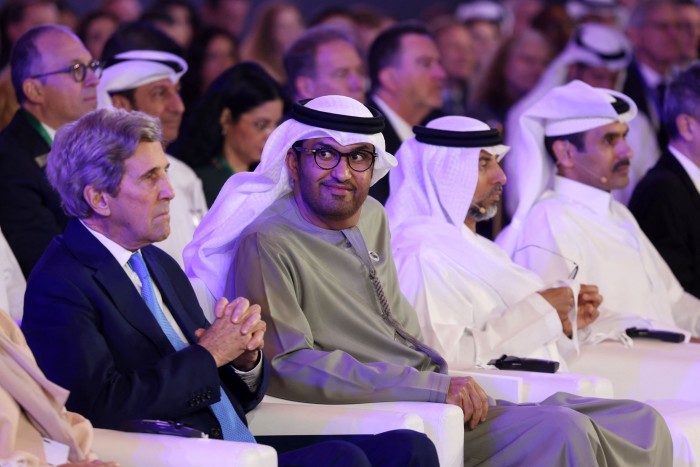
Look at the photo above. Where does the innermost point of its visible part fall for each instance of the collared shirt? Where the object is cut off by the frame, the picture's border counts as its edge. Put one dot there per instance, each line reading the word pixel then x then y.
pixel 689 166
pixel 596 199
pixel 122 255
pixel 403 129
pixel 50 131
pixel 651 77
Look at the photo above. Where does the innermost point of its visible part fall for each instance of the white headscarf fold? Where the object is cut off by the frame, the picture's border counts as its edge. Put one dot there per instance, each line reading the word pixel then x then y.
pixel 572 108
pixel 437 180
pixel 247 194
pixel 136 68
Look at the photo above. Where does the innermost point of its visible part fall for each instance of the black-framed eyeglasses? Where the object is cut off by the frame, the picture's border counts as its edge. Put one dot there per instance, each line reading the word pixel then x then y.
pixel 327 158
pixel 573 272
pixel 77 70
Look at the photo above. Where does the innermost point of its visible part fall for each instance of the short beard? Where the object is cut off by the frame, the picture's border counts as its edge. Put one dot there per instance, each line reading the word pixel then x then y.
pixel 481 213
pixel 478 216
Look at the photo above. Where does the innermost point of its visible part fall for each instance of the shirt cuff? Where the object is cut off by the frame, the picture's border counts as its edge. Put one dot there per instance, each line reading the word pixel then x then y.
pixel 252 377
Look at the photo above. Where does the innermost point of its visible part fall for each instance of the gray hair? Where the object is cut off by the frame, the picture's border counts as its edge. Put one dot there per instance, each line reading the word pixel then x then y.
pixel 92 151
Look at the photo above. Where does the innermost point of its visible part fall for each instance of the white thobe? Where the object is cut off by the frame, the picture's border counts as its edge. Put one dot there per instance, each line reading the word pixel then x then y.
pixel 186 209
pixel 473 302
pixel 576 224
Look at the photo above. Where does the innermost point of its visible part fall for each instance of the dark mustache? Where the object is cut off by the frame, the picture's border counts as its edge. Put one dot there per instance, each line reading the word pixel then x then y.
pixel 620 164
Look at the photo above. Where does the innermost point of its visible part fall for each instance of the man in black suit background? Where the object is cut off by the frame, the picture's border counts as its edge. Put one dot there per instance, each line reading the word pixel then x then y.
pixel 666 202
pixel 654 30
pixel 55 80
pixel 407 79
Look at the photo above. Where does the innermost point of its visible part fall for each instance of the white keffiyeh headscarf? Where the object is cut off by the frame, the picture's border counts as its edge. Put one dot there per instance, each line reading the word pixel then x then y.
pixel 573 108
pixel 437 180
pixel 132 69
pixel 247 194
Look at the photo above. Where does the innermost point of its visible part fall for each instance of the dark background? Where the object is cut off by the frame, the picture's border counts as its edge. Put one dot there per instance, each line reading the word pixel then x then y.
pixel 400 9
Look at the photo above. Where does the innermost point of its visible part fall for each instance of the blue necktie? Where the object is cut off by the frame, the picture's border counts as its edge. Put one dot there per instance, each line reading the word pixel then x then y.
pixel 232 426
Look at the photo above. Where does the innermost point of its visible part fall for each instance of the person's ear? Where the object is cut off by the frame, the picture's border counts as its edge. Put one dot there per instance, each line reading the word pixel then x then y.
pixel 564 152
pixel 292 164
pixel 33 90
pixel 121 102
pixel 305 87
pixel 97 200
pixel 225 120
pixel 389 78
pixel 686 126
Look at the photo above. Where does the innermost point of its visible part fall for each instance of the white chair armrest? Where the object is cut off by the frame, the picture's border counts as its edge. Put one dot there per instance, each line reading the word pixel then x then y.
pixel 442 423
pixel 528 386
pixel 141 449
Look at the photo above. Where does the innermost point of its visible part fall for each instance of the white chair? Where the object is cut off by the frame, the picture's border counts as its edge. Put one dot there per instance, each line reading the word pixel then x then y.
pixel 442 423
pixel 527 386
pixel 141 449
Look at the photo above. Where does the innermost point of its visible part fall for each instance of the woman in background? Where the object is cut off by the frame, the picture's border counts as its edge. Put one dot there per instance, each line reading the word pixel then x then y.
pixel 228 128
pixel 276 26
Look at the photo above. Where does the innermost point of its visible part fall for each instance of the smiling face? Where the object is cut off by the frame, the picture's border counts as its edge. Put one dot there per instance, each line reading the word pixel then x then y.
pixel 138 214
pixel 330 199
pixel 604 160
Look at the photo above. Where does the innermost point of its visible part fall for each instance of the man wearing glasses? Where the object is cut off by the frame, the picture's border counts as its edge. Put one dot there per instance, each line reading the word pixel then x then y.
pixel 55 80
pixel 301 238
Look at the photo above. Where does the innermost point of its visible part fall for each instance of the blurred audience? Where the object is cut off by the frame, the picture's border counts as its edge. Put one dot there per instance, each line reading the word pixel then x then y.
pixel 275 27
pixel 95 29
pixel 324 61
pixel 55 80
pixel 514 71
pixel 458 58
pixel 484 20
pixel 176 18
pixel 227 14
pixel 212 51
pixel 653 30
pixel 689 30
pixel 406 85
pixel 126 10
pixel 16 18
pixel 228 128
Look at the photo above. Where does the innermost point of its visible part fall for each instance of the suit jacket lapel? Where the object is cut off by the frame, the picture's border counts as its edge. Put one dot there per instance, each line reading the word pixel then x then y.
pixel 670 162
pixel 184 319
pixel 112 278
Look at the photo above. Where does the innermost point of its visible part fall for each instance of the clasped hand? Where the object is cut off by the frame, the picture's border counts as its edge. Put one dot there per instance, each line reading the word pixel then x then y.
pixel 236 335
pixel 562 299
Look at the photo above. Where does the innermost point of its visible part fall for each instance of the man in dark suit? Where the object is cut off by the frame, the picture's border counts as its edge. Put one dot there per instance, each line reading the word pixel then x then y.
pixel 54 78
pixel 653 30
pixel 407 78
pixel 114 319
pixel 124 356
pixel 666 201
